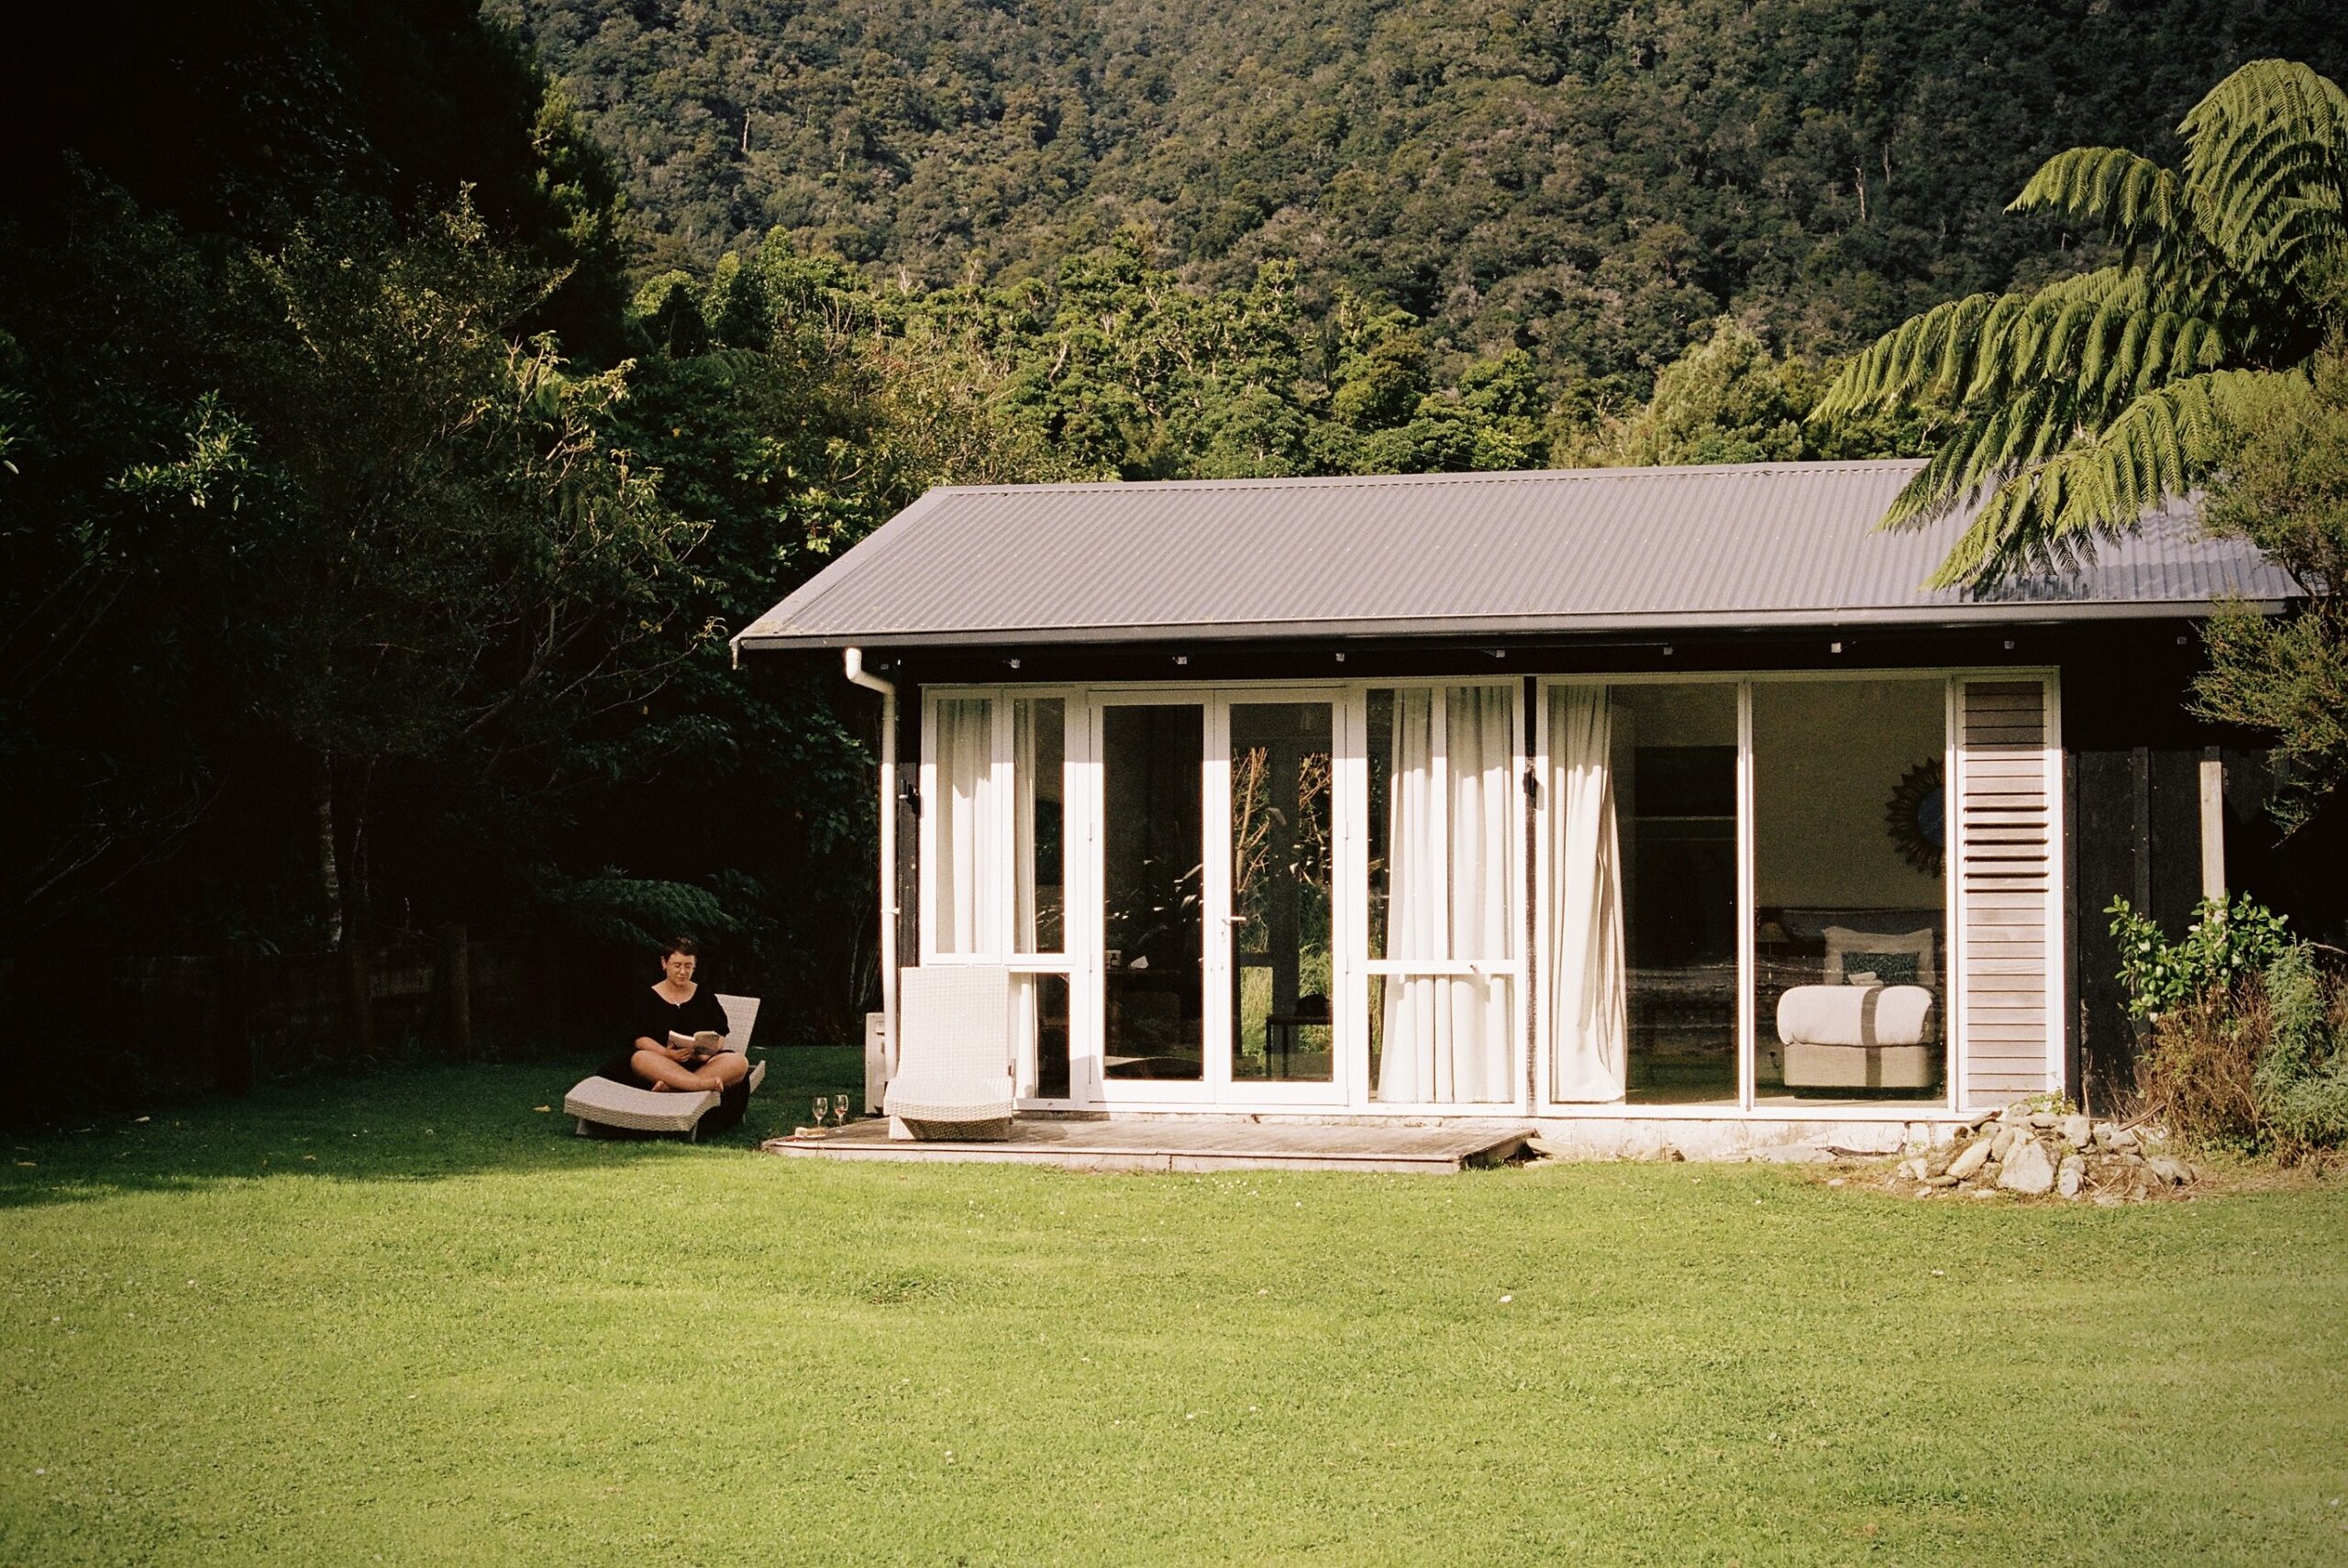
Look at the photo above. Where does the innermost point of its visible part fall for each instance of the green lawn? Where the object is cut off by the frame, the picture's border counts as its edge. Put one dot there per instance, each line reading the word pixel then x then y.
pixel 408 1319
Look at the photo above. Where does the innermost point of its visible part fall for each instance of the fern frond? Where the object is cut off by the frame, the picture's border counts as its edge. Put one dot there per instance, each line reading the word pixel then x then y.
pixel 2054 505
pixel 2128 193
pixel 1905 361
pixel 2031 423
pixel 2267 150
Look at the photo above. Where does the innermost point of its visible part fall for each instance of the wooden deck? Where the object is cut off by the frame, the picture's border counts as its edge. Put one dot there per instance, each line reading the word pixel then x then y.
pixel 1174 1144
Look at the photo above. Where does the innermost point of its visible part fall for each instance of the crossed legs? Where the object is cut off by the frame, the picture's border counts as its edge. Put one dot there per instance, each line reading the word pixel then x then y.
pixel 726 1068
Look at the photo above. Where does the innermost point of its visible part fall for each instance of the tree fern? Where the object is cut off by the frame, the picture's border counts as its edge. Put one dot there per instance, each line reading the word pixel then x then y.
pixel 2051 507
pixel 2084 403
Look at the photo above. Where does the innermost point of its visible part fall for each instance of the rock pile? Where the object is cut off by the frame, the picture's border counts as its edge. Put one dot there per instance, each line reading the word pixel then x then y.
pixel 2037 1153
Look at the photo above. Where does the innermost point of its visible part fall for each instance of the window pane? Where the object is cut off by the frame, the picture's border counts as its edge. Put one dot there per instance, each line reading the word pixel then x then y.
pixel 1674 764
pixel 1442 1039
pixel 1038 751
pixel 1443 889
pixel 1849 890
pixel 1042 1001
pixel 1279 891
pixel 1153 976
pixel 970 908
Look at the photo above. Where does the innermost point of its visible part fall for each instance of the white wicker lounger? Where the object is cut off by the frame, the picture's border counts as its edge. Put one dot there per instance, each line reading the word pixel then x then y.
pixel 599 1101
pixel 953 1053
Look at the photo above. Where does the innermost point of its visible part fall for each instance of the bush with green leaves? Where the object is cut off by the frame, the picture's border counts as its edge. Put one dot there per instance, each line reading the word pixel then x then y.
pixel 2249 1035
pixel 2223 946
pixel 2302 1079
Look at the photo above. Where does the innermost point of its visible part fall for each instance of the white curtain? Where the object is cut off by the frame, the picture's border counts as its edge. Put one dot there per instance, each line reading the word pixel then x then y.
pixel 1587 1013
pixel 970 908
pixel 1448 895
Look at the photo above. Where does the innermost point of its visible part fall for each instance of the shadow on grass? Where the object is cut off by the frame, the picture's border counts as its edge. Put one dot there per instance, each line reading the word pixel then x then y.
pixel 420 1123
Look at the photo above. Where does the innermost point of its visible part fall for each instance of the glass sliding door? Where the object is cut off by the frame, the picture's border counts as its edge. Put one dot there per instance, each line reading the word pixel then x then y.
pixel 1674 757
pixel 1444 894
pixel 1153 893
pixel 1281 827
pixel 994 862
pixel 1850 891
pixel 1039 892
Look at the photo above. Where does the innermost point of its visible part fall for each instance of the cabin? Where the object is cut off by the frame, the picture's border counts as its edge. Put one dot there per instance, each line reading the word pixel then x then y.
pixel 1602 801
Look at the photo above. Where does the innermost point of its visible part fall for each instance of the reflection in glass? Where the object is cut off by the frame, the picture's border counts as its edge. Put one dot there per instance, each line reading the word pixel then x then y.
pixel 1042 1004
pixel 1153 974
pixel 1279 891
pixel 1039 750
pixel 1674 763
pixel 1849 889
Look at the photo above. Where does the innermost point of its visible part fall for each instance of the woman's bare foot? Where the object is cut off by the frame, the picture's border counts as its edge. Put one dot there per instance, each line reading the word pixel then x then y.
pixel 659 1088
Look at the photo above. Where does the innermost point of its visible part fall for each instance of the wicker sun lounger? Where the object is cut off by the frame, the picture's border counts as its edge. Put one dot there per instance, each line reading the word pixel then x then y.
pixel 954 1053
pixel 600 1102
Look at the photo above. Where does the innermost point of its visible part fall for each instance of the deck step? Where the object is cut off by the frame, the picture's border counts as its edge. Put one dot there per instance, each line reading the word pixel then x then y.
pixel 1175 1145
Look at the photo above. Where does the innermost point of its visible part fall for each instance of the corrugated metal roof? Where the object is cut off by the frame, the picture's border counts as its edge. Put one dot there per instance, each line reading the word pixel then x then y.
pixel 1600 549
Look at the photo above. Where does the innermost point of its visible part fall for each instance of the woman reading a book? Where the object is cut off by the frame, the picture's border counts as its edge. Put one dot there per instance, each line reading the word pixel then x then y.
pixel 678 1032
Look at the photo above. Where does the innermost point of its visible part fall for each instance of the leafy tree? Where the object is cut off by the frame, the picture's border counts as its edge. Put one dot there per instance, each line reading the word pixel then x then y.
pixel 1729 400
pixel 430 555
pixel 2283 484
pixel 1588 182
pixel 2083 402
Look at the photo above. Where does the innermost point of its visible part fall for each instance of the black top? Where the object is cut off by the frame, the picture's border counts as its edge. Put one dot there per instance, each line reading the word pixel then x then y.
pixel 655 1016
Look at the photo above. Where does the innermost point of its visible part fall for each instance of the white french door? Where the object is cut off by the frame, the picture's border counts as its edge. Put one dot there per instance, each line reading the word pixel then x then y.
pixel 1216 966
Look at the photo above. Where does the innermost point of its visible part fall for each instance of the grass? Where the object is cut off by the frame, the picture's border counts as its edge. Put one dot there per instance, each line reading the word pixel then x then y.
pixel 405 1318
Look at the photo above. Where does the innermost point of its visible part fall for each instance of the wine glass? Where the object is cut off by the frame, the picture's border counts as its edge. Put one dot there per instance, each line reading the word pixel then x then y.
pixel 840 1108
pixel 823 1103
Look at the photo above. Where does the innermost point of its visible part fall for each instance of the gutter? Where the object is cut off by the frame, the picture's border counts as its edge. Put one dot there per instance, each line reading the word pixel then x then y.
pixel 852 659
pixel 1964 617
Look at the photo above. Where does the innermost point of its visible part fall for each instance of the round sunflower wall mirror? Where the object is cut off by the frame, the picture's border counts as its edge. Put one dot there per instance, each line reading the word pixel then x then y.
pixel 1917 817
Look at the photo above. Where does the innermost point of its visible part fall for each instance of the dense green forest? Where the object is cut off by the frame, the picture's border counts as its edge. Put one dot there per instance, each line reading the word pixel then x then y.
pixel 1587 181
pixel 400 404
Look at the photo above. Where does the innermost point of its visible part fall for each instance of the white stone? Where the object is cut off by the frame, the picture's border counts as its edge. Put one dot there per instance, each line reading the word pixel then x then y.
pixel 2103 1135
pixel 2078 1131
pixel 1970 1159
pixel 2044 1121
pixel 2123 1138
pixel 2176 1173
pixel 2071 1175
pixel 2028 1168
pixel 2002 1144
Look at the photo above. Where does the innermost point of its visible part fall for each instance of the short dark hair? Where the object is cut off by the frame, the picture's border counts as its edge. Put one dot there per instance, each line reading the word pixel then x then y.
pixel 682 945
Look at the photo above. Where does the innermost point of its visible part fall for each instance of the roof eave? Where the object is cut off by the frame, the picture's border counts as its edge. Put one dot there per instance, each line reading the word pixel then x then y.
pixel 1948 616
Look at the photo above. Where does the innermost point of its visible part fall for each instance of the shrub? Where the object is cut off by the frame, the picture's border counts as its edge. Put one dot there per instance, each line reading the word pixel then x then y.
pixel 2303 1081
pixel 2222 948
pixel 2259 1066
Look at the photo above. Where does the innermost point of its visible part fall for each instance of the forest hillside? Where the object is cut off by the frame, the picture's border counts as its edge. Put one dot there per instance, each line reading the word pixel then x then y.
pixel 1586 180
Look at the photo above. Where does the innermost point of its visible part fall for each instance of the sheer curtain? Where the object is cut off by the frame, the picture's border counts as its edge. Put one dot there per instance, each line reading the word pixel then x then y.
pixel 971 909
pixel 1588 1015
pixel 1451 875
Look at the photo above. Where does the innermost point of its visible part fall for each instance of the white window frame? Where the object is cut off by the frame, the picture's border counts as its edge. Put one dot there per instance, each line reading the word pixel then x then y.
pixel 1351 964
pixel 1512 968
pixel 1745 1106
pixel 1001 871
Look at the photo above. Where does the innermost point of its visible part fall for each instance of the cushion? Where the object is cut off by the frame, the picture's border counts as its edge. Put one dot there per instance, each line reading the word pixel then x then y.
pixel 1879 968
pixel 1855 1015
pixel 1865 951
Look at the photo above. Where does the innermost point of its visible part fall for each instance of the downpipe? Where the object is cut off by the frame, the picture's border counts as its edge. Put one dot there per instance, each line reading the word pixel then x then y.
pixel 852 659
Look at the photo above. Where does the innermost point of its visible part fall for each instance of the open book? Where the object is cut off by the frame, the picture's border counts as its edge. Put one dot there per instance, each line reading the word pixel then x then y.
pixel 708 1043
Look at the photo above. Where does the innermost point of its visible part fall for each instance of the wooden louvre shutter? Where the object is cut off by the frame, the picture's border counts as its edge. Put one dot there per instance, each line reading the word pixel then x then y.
pixel 2006 851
